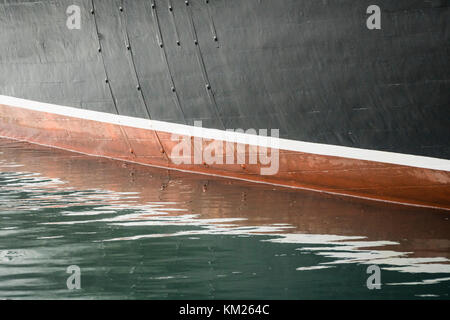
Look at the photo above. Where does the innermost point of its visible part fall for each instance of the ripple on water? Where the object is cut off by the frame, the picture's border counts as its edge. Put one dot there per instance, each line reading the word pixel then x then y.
pixel 107 232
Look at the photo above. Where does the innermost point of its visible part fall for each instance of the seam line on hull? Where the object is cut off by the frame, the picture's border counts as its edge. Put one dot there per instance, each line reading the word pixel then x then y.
pixel 100 49
pixel 124 27
pixel 201 63
pixel 130 58
pixel 160 41
pixel 172 18
pixel 212 26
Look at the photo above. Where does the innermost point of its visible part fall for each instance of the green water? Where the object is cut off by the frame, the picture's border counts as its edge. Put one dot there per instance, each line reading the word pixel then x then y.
pixel 143 233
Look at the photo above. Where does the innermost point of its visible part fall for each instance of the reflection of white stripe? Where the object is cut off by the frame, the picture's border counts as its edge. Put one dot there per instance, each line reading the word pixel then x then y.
pixel 268 142
pixel 426 281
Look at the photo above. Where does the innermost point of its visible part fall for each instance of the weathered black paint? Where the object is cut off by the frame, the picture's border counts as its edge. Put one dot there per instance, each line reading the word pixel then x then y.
pixel 308 67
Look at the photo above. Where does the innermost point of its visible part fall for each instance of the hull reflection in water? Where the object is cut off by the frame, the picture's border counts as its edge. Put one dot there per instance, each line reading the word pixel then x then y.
pixel 143 233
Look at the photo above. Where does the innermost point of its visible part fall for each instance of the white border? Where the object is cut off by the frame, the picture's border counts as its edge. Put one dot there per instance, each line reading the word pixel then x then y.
pixel 267 142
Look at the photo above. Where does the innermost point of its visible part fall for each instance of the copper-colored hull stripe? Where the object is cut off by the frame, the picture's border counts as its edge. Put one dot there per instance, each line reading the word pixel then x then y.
pixel 360 178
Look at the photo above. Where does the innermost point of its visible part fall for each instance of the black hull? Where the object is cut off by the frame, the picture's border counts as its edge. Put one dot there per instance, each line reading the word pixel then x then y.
pixel 309 68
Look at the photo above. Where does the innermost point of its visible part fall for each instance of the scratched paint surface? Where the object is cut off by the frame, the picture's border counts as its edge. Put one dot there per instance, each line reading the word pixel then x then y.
pixel 143 233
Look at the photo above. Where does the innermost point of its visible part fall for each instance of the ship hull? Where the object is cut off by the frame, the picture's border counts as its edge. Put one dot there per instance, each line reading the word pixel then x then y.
pixel 423 182
pixel 362 113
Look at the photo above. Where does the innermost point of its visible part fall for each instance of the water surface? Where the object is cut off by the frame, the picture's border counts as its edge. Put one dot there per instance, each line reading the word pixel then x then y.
pixel 143 233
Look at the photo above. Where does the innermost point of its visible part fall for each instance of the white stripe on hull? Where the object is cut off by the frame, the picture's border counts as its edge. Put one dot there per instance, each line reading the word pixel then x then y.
pixel 206 133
